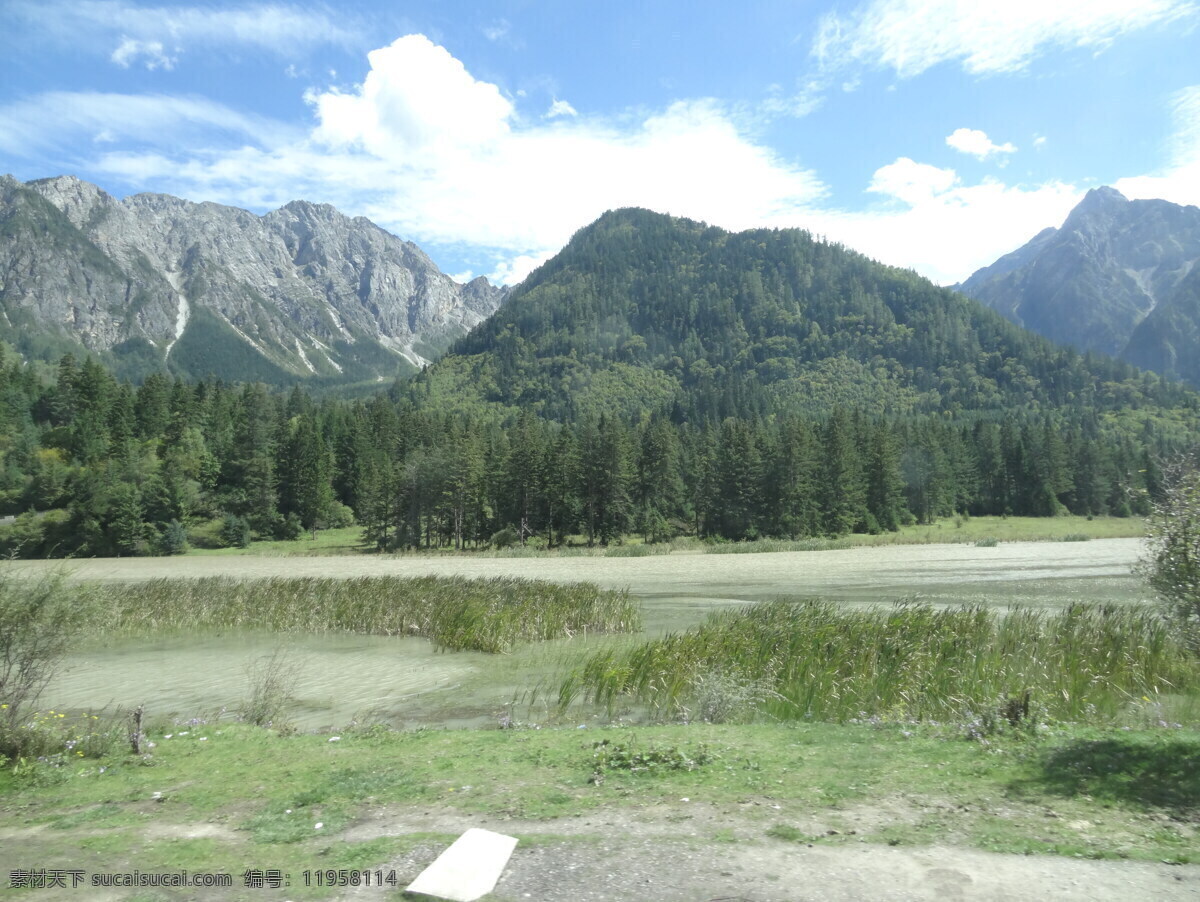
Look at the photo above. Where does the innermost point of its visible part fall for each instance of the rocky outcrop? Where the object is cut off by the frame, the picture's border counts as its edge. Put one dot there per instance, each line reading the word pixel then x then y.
pixel 1116 278
pixel 201 288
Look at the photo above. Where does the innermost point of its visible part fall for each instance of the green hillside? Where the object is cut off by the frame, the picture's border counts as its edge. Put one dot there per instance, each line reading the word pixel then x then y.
pixel 645 311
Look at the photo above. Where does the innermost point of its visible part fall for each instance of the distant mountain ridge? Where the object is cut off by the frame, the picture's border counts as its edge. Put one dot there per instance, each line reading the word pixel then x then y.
pixel 647 312
pixel 154 281
pixel 1119 277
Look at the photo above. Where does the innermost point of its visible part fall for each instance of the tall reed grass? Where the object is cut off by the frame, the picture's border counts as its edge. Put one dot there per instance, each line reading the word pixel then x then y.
pixel 907 662
pixel 454 612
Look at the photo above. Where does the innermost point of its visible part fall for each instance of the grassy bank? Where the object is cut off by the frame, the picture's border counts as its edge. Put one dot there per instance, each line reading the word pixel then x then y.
pixel 455 613
pixel 947 530
pixel 223 798
pixel 815 660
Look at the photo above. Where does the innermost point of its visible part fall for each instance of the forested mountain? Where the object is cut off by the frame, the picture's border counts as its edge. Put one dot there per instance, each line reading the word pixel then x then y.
pixel 658 376
pixel 1119 277
pixel 154 283
pixel 646 312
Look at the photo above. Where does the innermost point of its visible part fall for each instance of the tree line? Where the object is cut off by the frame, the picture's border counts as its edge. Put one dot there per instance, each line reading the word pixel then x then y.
pixel 97 466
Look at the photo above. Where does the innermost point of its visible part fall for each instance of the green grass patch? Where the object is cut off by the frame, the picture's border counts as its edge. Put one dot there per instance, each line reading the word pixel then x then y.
pixel 247 797
pixel 487 615
pixel 968 530
pixel 816 660
pixel 985 532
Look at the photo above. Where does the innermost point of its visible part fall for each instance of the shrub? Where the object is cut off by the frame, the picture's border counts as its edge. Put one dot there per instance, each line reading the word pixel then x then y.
pixel 39 619
pixel 173 539
pixel 33 535
pixel 206 534
pixel 1172 561
pixel 726 698
pixel 505 538
pixel 272 680
pixel 338 516
pixel 289 528
pixel 235 531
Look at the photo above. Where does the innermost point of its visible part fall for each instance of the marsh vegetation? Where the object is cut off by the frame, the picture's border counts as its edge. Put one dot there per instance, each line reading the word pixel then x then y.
pixel 816 660
pixel 455 613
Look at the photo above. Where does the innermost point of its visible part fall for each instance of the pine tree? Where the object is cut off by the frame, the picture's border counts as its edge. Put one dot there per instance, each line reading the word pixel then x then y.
pixel 792 482
pixel 305 487
pixel 605 477
pixel 885 486
pixel 841 487
pixel 739 479
pixel 562 467
pixel 659 489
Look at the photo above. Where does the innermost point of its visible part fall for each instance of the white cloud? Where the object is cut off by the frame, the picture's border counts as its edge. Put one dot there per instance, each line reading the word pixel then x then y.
pixel 910 36
pixel 561 108
pixel 497 30
pixel 150 52
pixel 945 230
pixel 1179 180
pixel 461 166
pixel 428 151
pixel 61 119
pixel 807 99
pixel 975 142
pixel 143 32
pixel 417 101
pixel 912 182
pixel 510 272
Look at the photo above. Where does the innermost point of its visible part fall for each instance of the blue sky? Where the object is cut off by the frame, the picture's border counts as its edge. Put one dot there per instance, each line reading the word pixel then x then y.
pixel 934 135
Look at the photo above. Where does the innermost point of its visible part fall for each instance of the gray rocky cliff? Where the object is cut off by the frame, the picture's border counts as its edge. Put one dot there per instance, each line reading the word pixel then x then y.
pixel 1114 278
pixel 300 292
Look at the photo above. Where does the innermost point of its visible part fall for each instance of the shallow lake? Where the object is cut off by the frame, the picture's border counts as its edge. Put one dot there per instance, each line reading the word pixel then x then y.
pixel 405 682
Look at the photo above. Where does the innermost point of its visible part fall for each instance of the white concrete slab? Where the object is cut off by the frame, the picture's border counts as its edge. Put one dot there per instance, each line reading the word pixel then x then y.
pixel 468 869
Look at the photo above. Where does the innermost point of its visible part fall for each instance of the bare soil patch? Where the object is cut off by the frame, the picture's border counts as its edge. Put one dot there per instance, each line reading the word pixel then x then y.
pixel 680 854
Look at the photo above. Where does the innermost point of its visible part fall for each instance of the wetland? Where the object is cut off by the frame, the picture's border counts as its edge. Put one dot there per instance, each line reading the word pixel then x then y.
pixel 405 681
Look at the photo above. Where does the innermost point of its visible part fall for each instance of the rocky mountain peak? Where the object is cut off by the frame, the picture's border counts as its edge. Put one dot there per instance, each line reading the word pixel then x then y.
pixel 303 291
pixel 77 199
pixel 1105 195
pixel 1099 208
pixel 1108 281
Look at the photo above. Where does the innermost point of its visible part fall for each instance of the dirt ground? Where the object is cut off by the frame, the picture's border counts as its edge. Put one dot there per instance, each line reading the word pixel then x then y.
pixel 671 856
